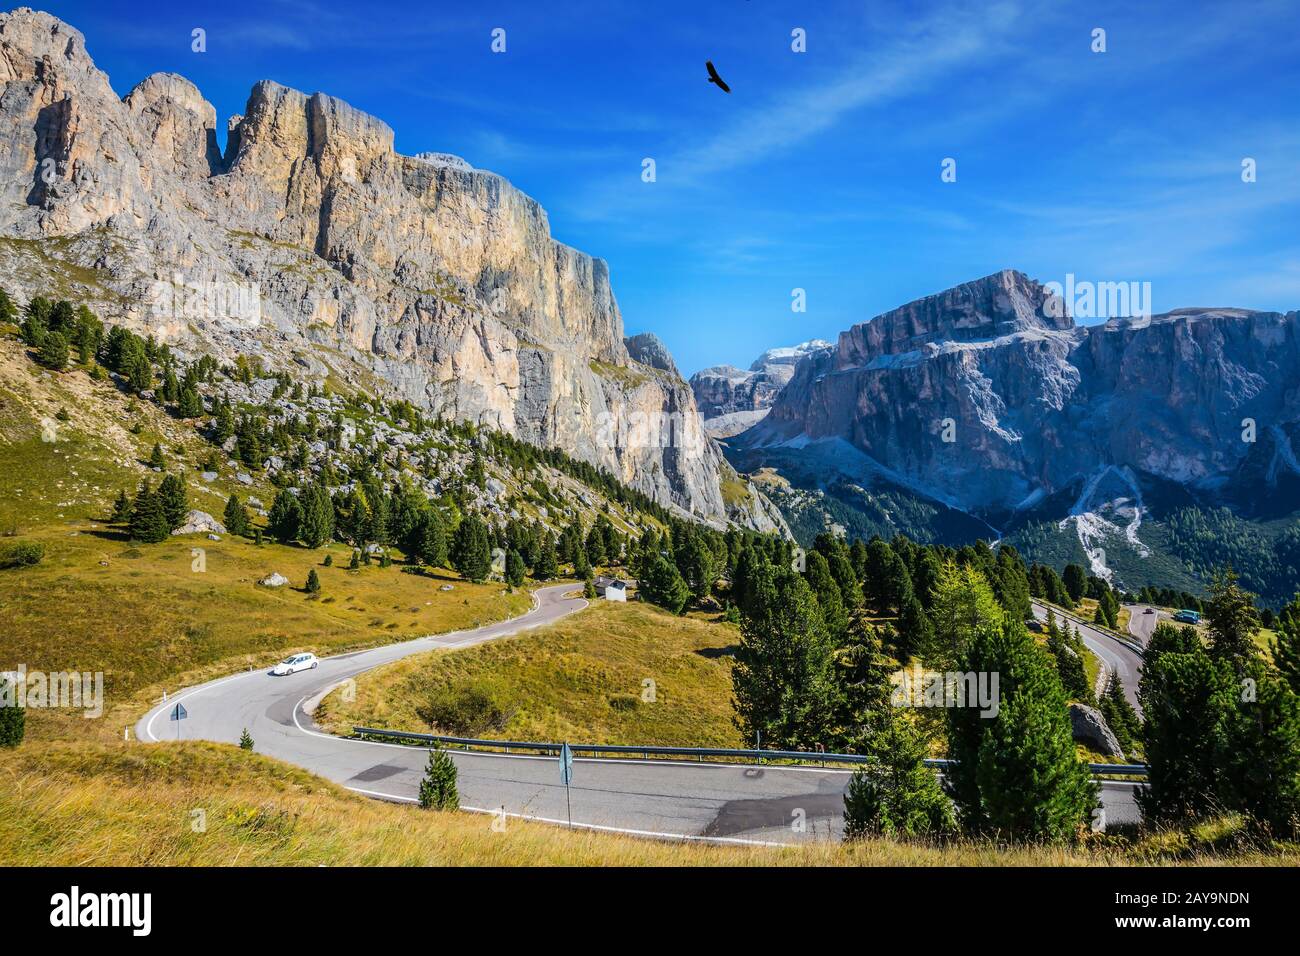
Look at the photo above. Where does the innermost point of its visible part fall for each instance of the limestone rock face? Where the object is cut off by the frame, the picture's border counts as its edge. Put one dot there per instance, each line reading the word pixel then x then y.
pixel 982 398
pixel 414 277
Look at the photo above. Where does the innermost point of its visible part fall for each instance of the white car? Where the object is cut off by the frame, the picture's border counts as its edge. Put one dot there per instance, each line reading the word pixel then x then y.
pixel 291 665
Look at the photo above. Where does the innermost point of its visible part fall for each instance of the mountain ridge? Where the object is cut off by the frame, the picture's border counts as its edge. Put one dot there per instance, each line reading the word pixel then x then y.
pixel 419 277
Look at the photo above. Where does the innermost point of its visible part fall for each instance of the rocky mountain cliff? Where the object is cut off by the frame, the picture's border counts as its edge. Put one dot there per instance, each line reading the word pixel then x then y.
pixel 309 240
pixel 989 400
pixel 732 400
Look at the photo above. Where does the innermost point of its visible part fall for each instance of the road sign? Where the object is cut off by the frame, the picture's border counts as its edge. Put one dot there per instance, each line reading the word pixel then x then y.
pixel 566 776
pixel 178 714
pixel 566 764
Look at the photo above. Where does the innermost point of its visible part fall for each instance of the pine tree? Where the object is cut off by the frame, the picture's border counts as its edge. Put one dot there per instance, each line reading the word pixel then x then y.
pixel 246 741
pixel 1187 700
pixel 313 582
pixel 1285 646
pixel 664 586
pixel 171 494
pixel 898 795
pixel 354 564
pixel 191 405
pixel 156 459
pixel 913 630
pixel 317 516
pixel 962 606
pixel 829 597
pixel 1016 773
pixel 515 569
pixel 783 681
pixel 1076 581
pixel 862 674
pixel 285 517
pixel 235 516
pixel 471 554
pixel 54 352
pixel 438 788
pixel 1067 656
pixel 1232 621
pixel 121 508
pixel 1119 713
pixel 548 565
pixel 148 520
pixel 1261 760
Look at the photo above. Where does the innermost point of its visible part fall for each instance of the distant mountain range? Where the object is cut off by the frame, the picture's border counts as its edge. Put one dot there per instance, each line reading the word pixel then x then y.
pixel 1152 448
pixel 732 400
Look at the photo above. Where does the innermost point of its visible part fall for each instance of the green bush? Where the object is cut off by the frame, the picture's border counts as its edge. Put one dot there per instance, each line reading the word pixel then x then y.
pixel 22 554
pixel 13 719
pixel 468 709
pixel 438 788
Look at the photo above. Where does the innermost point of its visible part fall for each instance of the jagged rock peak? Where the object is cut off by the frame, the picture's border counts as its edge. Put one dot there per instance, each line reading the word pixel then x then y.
pixel 648 349
pixel 789 355
pixel 1001 304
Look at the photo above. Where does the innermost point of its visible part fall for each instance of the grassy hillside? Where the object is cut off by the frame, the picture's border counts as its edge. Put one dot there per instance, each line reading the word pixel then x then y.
pixel 151 616
pixel 135 805
pixel 582 679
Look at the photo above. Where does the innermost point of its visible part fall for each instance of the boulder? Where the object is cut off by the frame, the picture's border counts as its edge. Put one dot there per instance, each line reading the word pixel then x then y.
pixel 274 580
pixel 1089 727
pixel 200 522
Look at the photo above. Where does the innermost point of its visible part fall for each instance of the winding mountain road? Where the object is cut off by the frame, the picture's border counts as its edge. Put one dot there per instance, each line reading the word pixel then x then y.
pixel 1116 656
pixel 657 798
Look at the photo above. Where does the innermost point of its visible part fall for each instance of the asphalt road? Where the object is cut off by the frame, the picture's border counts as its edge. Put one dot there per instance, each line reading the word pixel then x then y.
pixel 1115 656
pixel 1141 624
pixel 703 801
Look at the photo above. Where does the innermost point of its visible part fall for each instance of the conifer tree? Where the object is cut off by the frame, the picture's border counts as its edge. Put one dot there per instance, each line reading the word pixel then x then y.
pixel 148 520
pixel 175 504
pixel 235 516
pixel 1016 773
pixel 53 352
pixel 1187 700
pixel 664 586
pixel 156 459
pixel 317 516
pixel 438 788
pixel 862 673
pixel 898 796
pixel 1119 713
pixel 121 508
pixel 1285 647
pixel 313 582
pixel 471 554
pixel 1232 621
pixel 783 681
pixel 1261 760
pixel 515 569
pixel 285 517
pixel 246 741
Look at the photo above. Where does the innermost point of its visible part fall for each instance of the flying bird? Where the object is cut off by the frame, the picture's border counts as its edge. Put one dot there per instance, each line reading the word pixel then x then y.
pixel 714 78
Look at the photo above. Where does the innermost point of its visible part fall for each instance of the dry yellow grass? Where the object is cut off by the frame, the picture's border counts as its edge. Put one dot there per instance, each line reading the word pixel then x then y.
pixel 135 805
pixel 614 673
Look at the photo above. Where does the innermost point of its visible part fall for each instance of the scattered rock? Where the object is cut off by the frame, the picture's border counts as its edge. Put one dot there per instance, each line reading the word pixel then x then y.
pixel 197 522
pixel 1089 727
pixel 274 580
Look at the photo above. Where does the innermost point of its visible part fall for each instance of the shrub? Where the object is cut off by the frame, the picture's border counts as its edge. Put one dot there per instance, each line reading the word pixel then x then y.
pixel 22 554
pixel 468 709
pixel 13 719
pixel 438 788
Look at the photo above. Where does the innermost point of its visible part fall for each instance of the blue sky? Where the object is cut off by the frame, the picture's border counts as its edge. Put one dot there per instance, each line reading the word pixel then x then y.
pixel 821 170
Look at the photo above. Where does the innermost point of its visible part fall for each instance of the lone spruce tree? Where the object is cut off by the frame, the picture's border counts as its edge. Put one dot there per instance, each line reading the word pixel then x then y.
pixel 438 788
pixel 898 795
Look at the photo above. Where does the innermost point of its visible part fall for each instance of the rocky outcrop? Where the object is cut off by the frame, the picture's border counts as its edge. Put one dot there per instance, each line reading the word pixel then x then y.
pixel 415 277
pixel 989 399
pixel 200 522
pixel 725 389
pixel 1089 727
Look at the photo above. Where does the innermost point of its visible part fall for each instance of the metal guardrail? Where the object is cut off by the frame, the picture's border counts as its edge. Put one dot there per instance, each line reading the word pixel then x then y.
pixel 1125 639
pixel 698 753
